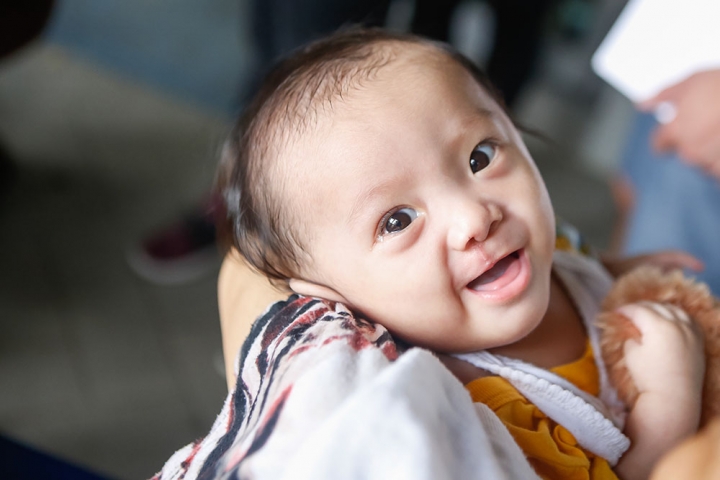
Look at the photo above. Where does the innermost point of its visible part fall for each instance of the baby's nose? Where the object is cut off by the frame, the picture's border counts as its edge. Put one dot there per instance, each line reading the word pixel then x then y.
pixel 473 222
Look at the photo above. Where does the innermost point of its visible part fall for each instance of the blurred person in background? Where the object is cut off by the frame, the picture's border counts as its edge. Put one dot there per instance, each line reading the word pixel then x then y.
pixel 664 57
pixel 669 191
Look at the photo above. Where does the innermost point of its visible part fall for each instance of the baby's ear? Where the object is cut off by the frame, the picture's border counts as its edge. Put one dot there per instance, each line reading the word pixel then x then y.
pixel 310 289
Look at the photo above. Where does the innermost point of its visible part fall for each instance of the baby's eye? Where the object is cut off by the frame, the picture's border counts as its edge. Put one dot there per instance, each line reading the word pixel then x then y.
pixel 481 156
pixel 398 220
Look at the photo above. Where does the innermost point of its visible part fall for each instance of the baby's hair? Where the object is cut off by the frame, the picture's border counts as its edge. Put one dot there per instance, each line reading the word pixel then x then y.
pixel 259 224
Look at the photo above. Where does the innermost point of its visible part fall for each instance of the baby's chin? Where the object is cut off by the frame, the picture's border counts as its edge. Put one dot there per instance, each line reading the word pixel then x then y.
pixel 515 331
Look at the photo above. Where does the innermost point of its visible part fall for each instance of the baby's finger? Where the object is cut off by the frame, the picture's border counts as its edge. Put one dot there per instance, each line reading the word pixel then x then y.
pixel 641 314
pixel 668 311
pixel 678 313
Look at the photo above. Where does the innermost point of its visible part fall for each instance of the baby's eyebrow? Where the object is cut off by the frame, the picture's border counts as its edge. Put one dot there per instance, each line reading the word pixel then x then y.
pixel 367 196
pixel 485 113
pixel 478 116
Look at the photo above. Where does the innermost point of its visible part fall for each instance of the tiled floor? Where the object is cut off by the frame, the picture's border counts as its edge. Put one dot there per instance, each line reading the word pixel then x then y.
pixel 96 365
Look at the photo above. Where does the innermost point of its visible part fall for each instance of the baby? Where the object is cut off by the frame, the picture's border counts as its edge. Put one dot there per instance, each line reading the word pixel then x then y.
pixel 381 171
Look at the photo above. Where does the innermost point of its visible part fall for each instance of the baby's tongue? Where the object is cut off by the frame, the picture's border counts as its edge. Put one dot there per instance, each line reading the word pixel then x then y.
pixel 493 274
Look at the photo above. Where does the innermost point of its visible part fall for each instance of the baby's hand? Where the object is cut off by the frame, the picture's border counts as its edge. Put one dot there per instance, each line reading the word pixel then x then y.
pixel 668 360
pixel 668 366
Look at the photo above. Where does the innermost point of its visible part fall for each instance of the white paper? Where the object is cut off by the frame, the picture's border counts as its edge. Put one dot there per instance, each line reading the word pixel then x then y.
pixel 655 44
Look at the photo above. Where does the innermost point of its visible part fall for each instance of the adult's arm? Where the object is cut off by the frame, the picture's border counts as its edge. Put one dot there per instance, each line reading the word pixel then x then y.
pixel 243 295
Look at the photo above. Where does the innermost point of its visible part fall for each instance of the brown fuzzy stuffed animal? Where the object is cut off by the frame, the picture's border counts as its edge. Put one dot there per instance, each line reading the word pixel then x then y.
pixel 652 284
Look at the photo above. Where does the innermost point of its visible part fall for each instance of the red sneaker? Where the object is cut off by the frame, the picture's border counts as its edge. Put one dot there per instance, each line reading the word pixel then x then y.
pixel 181 253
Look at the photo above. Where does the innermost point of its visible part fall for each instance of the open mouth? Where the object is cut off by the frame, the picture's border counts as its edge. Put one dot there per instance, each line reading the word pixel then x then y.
pixel 499 275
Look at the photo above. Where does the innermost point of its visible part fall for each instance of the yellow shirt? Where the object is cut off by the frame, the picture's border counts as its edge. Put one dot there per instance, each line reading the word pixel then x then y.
pixel 550 448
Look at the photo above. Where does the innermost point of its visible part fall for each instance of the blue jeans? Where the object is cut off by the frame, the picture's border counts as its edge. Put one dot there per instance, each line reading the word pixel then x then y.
pixel 676 206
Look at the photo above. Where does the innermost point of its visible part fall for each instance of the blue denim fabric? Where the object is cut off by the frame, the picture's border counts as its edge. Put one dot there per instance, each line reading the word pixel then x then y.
pixel 677 206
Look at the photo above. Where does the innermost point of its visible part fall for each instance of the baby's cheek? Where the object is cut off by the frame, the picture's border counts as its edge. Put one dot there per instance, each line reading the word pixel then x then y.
pixel 546 239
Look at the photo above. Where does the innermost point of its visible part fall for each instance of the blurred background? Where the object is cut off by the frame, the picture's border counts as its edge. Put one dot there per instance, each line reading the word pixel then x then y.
pixel 111 119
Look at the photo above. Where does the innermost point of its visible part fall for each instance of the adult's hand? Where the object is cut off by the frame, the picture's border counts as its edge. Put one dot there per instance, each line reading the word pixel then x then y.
pixel 666 260
pixel 694 133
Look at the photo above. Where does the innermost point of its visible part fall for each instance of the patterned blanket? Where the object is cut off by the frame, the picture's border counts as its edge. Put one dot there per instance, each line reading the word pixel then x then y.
pixel 321 393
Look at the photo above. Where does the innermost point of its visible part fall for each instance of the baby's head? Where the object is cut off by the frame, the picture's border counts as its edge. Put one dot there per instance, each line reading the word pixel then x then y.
pixel 381 171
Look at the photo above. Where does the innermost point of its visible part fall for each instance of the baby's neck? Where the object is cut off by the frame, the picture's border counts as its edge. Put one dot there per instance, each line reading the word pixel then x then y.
pixel 559 339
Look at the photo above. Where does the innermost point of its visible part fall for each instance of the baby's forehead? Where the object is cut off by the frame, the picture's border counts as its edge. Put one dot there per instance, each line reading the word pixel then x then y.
pixel 312 109
pixel 411 62
pixel 414 63
pixel 343 86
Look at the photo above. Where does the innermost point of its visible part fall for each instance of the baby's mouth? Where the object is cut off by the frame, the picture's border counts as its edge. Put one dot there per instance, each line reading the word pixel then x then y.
pixel 499 275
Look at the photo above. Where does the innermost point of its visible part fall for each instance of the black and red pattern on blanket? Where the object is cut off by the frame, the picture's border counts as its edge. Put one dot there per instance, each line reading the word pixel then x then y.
pixel 270 361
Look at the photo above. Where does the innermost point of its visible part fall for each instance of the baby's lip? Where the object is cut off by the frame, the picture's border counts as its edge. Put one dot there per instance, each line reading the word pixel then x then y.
pixel 494 270
pixel 509 278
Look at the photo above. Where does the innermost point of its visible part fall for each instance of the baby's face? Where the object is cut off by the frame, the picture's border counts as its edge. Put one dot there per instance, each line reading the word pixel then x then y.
pixel 423 209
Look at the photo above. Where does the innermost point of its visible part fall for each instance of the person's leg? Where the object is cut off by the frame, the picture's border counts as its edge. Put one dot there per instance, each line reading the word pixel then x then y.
pixel 301 22
pixel 279 26
pixel 518 34
pixel 432 18
pixel 518 31
pixel 675 206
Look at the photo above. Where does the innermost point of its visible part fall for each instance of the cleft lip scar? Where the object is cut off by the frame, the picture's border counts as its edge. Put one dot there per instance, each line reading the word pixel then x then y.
pixel 515 255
